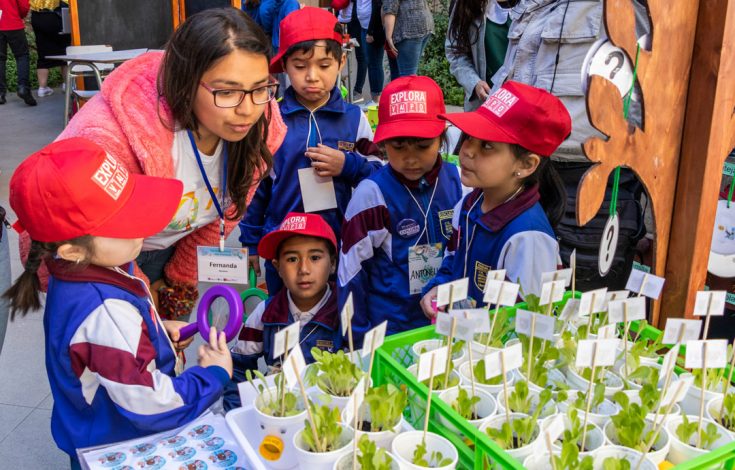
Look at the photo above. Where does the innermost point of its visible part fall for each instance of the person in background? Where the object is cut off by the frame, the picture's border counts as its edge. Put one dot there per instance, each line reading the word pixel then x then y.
pixel 477 39
pixel 356 16
pixel 46 23
pixel 375 47
pixel 408 24
pixel 13 35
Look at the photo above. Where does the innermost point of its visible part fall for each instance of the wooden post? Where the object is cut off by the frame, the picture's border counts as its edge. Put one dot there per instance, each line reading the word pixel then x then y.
pixel 653 151
pixel 706 140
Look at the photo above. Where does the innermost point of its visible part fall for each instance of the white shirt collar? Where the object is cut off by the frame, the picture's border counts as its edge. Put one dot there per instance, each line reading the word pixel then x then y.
pixel 305 317
pixel 494 13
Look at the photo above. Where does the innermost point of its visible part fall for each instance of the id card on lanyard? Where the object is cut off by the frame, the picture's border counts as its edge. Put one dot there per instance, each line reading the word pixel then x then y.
pixel 219 264
pixel 423 260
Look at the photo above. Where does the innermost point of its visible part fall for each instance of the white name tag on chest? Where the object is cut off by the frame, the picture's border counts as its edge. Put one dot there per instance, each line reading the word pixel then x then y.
pixel 229 266
pixel 317 192
pixel 423 263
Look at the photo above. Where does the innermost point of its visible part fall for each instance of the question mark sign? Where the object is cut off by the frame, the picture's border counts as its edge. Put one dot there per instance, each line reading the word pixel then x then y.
pixel 617 55
pixel 608 245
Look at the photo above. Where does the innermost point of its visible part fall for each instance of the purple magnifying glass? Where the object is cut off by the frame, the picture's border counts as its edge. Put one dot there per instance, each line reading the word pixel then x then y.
pixel 202 325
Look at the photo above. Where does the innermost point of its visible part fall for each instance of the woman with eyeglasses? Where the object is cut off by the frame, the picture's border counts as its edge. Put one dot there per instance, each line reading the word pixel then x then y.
pixel 202 112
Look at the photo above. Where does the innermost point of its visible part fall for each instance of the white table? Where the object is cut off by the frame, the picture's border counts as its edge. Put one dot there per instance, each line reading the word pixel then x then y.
pixel 91 60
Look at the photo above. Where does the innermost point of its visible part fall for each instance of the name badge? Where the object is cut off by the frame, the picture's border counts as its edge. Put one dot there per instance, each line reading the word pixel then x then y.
pixel 229 266
pixel 423 263
pixel 317 192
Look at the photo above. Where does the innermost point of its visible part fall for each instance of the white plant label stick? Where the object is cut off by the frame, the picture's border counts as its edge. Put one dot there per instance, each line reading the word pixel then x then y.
pixel 551 292
pixel 716 354
pixel 424 371
pixel 645 284
pixel 592 302
pixel 636 307
pixel 543 325
pixel 501 293
pixel 669 362
pixel 559 275
pixel 616 295
pixel 496 275
pixel 346 315
pixel 463 328
pixel 676 394
pixel 355 401
pixel 457 289
pixel 555 428
pixel 573 267
pixel 679 330
pixel 709 304
pixel 603 349
pixel 478 316
pixel 286 339
pixel 513 360
pixel 293 367
pixel 369 344
pixel 607 331
pixel 570 312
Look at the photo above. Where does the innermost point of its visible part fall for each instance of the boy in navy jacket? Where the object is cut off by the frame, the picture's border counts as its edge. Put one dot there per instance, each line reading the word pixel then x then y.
pixel 327 138
pixel 304 253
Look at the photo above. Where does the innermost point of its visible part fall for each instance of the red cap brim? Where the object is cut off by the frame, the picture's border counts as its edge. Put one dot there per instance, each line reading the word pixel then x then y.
pixel 479 127
pixel 148 210
pixel 422 129
pixel 268 245
pixel 276 66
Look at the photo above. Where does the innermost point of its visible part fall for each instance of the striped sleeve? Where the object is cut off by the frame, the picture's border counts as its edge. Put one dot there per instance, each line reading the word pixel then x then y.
pixel 445 271
pixel 527 254
pixel 112 349
pixel 365 159
pixel 250 340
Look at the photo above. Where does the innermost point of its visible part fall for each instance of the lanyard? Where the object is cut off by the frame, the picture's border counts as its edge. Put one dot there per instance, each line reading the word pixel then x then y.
pixel 209 186
pixel 425 214
pixel 468 242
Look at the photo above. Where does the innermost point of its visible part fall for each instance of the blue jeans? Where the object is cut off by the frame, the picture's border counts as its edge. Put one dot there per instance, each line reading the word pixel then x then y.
pixel 375 53
pixel 356 31
pixel 409 54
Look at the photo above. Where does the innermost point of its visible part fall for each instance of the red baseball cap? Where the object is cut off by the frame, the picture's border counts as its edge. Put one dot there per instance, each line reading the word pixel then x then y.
pixel 410 107
pixel 306 24
pixel 72 188
pixel 518 114
pixel 296 223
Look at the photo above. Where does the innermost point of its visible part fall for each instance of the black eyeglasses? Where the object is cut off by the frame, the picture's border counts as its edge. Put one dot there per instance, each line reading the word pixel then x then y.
pixel 230 98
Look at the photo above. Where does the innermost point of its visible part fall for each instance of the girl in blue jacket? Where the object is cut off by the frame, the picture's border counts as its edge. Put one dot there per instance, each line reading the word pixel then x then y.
pixel 504 222
pixel 110 359
pixel 399 218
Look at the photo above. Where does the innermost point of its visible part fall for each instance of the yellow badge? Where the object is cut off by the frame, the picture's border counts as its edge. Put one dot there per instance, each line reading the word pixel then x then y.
pixel 324 344
pixel 445 222
pixel 481 270
pixel 345 146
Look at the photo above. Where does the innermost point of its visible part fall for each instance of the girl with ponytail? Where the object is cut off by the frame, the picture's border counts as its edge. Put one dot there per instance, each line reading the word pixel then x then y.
pixel 506 222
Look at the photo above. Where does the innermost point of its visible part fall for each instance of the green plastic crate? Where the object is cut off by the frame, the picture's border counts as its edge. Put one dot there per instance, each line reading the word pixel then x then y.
pixel 476 450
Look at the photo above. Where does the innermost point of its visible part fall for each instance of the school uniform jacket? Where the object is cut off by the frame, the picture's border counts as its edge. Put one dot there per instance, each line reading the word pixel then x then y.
pixel 338 125
pixel 258 334
pixel 515 236
pixel 382 223
pixel 111 364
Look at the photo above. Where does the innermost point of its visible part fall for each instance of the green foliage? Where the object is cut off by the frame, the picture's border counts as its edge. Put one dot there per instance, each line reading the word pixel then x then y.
pixel 643 348
pixel 728 413
pixel 539 367
pixel 569 458
pixel 464 404
pixel 339 374
pixel 371 457
pixel 611 463
pixel 422 458
pixel 271 403
pixel 630 423
pixel 328 429
pixel 573 433
pixel 502 327
pixel 54 79
pixel 644 375
pixel 386 404
pixel 712 379
pixel 707 437
pixel 598 396
pixel 434 61
pixel 516 434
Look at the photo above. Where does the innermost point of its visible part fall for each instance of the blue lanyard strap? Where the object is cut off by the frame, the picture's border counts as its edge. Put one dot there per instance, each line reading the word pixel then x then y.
pixel 209 185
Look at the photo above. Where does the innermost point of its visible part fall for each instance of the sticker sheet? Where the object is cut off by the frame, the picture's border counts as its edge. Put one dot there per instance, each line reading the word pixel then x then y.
pixel 203 444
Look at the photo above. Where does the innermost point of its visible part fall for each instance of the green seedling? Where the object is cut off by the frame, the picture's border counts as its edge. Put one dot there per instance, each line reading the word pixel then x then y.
pixel 271 404
pixel 630 423
pixel 598 396
pixel 328 428
pixel 569 458
pixel 644 375
pixel 464 404
pixel 573 432
pixel 727 419
pixel 611 463
pixel 520 399
pixel 422 458
pixel 687 430
pixel 478 370
pixel 501 329
pixel 339 375
pixel 371 457
pixel 386 404
pixel 516 434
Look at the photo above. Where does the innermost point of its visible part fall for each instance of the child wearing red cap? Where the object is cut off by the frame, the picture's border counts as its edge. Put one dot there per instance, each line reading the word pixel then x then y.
pixel 506 222
pixel 109 357
pixel 303 250
pixel 327 138
pixel 400 217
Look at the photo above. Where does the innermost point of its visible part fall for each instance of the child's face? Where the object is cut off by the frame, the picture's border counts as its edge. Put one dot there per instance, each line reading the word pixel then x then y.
pixel 412 160
pixel 313 74
pixel 111 252
pixel 239 70
pixel 304 265
pixel 488 165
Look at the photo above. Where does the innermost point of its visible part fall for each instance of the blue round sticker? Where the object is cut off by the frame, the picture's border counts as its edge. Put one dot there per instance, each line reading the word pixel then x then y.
pixel 407 228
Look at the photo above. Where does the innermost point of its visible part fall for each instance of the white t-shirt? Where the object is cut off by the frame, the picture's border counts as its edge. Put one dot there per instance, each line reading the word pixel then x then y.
pixel 196 208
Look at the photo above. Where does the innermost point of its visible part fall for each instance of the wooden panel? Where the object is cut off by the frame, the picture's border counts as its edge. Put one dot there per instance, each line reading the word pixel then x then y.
pixel 708 137
pixel 652 152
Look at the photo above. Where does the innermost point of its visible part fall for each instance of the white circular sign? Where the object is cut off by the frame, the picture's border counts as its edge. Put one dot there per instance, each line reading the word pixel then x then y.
pixel 722 252
pixel 608 245
pixel 609 62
